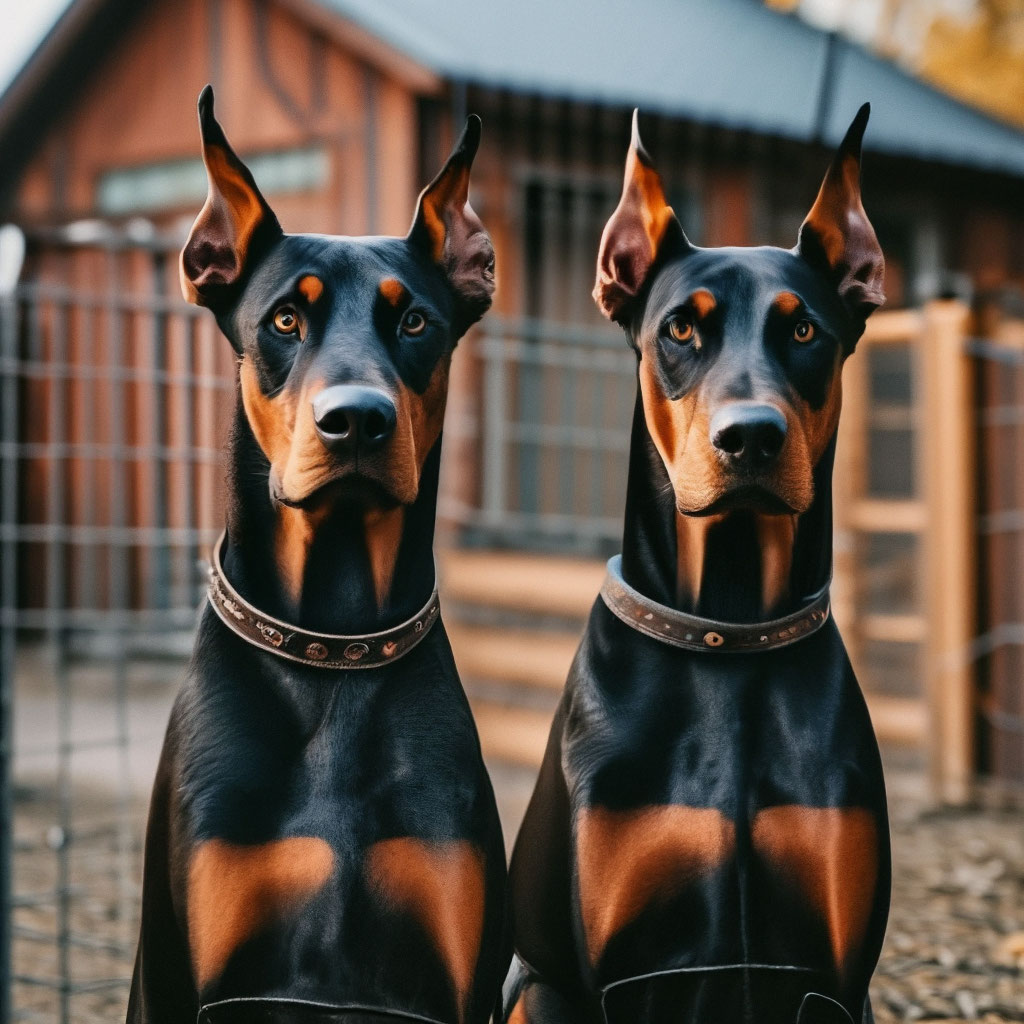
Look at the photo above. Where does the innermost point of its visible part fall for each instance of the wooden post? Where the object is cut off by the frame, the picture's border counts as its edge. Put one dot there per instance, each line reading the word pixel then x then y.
pixel 848 484
pixel 947 460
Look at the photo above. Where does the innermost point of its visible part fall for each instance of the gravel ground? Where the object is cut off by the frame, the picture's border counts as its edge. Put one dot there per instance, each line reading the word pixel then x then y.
pixel 955 945
pixel 954 951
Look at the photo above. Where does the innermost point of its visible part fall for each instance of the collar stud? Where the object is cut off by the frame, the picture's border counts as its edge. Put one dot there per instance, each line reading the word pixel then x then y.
pixel 695 633
pixel 321 650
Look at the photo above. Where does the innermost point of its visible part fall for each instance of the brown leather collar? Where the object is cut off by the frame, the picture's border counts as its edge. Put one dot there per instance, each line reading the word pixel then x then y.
pixel 321 650
pixel 693 633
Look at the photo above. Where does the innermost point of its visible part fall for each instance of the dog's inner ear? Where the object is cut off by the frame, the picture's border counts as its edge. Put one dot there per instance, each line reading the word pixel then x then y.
pixel 837 236
pixel 446 226
pixel 234 223
pixel 641 225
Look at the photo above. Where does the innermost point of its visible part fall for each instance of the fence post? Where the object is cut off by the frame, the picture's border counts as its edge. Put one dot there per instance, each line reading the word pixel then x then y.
pixel 12 254
pixel 947 460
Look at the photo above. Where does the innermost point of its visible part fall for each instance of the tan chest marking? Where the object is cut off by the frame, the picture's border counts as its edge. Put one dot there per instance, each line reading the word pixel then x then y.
pixel 293 535
pixel 831 854
pixel 776 537
pixel 441 885
pixel 235 891
pixel 631 859
pixel 383 539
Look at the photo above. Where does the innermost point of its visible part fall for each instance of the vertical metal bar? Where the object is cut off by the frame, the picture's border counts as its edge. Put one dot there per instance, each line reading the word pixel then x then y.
pixel 88 590
pixel 120 568
pixel 56 603
pixel 494 448
pixel 160 569
pixel 370 81
pixel 8 611
pixel 188 500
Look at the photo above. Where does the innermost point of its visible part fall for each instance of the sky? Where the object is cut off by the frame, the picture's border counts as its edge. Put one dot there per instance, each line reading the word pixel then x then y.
pixel 24 24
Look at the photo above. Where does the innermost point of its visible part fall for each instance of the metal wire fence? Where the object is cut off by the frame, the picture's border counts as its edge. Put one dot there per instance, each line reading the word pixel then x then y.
pixel 114 400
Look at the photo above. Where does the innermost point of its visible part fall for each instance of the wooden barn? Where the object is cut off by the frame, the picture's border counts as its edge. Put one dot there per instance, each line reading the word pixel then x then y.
pixel 343 109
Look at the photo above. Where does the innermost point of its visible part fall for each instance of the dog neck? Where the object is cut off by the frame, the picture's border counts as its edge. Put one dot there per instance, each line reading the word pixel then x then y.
pixel 739 566
pixel 340 569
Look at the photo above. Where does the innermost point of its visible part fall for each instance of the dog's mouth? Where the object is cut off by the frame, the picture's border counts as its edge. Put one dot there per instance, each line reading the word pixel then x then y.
pixel 750 497
pixel 348 487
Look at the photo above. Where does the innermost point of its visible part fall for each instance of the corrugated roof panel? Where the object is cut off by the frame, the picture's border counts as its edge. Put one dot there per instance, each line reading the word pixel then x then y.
pixel 732 63
pixel 728 61
pixel 911 118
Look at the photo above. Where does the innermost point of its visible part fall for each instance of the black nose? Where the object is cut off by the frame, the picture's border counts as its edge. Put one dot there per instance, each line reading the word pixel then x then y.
pixel 349 416
pixel 749 433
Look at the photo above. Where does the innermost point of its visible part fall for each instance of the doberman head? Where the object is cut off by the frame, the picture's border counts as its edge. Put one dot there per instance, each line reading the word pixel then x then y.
pixel 740 352
pixel 344 347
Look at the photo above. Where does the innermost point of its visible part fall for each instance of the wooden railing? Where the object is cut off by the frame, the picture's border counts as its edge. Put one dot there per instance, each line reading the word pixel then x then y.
pixel 938 513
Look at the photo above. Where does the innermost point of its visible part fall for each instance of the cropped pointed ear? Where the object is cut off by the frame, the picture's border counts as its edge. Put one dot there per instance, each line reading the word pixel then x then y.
pixel 837 236
pixel 447 228
pixel 640 227
pixel 233 227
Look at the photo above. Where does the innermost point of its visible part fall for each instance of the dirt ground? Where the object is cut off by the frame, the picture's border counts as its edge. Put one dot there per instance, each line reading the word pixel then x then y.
pixel 954 951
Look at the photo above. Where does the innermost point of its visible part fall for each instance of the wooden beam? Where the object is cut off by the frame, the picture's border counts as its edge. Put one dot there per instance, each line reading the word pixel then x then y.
pixel 895 629
pixel 947 457
pixel 879 515
pixel 902 721
pixel 525 657
pixel 516 735
pixel 371 48
pixel 539 584
pixel 893 328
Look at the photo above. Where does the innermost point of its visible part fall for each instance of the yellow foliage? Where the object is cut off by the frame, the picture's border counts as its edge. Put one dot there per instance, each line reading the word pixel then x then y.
pixel 982 61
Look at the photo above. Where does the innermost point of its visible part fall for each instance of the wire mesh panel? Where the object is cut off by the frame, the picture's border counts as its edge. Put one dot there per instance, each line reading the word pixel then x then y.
pixel 1000 645
pixel 553 469
pixel 115 398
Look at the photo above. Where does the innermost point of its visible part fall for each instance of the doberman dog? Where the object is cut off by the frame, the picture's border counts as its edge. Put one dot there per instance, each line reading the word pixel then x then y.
pixel 323 841
pixel 708 840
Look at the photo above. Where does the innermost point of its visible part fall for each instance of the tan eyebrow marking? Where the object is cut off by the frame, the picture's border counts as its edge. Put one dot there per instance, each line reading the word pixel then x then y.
pixel 703 303
pixel 311 288
pixel 392 290
pixel 787 303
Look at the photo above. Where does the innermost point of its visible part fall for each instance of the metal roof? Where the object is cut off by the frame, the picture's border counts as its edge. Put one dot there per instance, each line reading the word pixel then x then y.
pixel 727 63
pixel 731 63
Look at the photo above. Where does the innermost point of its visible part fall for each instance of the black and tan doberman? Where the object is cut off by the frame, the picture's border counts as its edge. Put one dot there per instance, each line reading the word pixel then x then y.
pixel 708 840
pixel 323 842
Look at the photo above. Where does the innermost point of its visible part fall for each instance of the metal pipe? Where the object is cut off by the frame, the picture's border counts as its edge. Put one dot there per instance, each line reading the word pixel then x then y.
pixel 12 249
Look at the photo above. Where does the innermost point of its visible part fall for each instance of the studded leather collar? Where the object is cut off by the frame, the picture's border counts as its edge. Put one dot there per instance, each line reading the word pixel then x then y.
pixel 694 633
pixel 321 650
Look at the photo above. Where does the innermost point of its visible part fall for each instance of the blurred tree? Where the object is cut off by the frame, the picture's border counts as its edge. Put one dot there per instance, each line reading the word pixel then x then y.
pixel 980 58
pixel 972 49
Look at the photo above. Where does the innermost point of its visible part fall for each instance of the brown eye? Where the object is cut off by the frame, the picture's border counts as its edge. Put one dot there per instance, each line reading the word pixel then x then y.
pixel 681 329
pixel 286 320
pixel 413 323
pixel 804 331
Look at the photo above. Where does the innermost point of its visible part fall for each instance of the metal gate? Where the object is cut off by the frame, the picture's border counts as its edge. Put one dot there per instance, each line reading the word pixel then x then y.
pixel 114 396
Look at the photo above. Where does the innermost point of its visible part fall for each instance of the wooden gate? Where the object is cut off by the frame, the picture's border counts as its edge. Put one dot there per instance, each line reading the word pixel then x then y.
pixel 905 584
